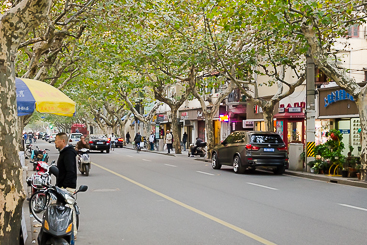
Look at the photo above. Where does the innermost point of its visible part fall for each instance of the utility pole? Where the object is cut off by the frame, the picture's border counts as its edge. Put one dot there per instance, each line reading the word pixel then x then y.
pixel 310 109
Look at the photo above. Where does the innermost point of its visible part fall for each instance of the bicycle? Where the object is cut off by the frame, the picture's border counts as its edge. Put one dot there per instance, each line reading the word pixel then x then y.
pixel 138 148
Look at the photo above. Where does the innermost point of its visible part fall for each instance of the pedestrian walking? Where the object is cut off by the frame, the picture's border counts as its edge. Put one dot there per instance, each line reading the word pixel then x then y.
pixel 152 141
pixel 112 141
pixel 30 136
pixel 127 138
pixel 184 140
pixel 169 141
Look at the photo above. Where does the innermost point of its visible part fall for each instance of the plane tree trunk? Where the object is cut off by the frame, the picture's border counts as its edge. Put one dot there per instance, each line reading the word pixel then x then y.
pixel 14 25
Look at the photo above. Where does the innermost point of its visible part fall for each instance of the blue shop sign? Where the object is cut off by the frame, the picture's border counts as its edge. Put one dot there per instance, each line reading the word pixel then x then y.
pixel 344 131
pixel 337 95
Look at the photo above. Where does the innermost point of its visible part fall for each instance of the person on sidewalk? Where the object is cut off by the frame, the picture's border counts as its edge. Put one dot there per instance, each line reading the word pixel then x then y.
pixel 66 163
pixel 112 142
pixel 127 138
pixel 152 141
pixel 169 141
pixel 184 140
pixel 137 139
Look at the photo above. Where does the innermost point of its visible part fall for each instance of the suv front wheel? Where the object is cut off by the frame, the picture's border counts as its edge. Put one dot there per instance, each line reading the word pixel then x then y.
pixel 237 167
pixel 215 162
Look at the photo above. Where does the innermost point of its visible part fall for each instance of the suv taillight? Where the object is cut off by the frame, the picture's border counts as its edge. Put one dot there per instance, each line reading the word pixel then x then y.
pixel 252 148
pixel 282 149
pixel 90 142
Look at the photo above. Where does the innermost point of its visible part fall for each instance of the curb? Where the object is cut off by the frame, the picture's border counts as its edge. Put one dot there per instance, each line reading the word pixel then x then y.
pixel 330 179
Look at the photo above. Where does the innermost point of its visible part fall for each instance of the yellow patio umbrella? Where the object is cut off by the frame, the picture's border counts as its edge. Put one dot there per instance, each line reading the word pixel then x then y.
pixel 36 95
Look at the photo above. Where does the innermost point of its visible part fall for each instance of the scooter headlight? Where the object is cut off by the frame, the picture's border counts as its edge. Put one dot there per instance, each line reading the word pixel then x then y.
pixel 69 199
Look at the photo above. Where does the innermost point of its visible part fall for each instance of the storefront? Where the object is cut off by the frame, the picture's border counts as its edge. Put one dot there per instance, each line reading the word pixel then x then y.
pixel 338 110
pixel 290 124
pixel 255 115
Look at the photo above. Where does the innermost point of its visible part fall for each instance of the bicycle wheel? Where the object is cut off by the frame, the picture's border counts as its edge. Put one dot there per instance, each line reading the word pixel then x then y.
pixel 38 204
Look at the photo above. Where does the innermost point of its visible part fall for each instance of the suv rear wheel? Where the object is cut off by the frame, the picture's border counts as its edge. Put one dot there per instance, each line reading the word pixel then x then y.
pixel 237 167
pixel 215 162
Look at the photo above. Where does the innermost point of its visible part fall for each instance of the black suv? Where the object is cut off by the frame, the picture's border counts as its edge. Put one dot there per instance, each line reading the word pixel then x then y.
pixel 249 150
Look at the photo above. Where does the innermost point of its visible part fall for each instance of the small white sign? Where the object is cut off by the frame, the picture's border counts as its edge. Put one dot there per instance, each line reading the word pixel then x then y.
pixel 281 110
pixel 247 124
pixel 294 109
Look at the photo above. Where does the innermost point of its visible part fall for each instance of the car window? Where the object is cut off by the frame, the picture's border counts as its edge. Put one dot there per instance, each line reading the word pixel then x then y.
pixel 263 138
pixel 239 137
pixel 229 139
pixel 76 136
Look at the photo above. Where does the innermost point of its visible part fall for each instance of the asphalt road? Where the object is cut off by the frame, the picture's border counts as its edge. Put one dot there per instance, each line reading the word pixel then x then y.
pixel 147 198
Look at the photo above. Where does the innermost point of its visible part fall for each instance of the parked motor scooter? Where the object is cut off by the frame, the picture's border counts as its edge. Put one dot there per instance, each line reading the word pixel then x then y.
pixel 200 150
pixel 42 177
pixel 84 161
pixel 38 155
pixel 57 223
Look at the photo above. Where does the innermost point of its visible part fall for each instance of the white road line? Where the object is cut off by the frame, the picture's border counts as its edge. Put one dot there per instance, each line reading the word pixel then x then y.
pixel 350 206
pixel 129 156
pixel 146 160
pixel 204 173
pixel 171 165
pixel 263 186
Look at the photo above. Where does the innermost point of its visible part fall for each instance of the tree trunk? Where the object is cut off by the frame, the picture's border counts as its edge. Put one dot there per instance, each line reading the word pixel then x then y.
pixel 268 115
pixel 175 131
pixel 209 128
pixel 362 108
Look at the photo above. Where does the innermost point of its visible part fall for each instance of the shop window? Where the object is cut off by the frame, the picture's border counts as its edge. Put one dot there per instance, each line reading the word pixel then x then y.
pixel 294 132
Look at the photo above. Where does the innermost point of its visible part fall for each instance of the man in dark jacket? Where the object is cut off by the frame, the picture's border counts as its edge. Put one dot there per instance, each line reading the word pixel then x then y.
pixel 67 169
pixel 137 139
pixel 66 162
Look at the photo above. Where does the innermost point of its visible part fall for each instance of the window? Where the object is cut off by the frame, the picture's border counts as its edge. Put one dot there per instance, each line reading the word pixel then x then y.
pixel 353 31
pixel 264 139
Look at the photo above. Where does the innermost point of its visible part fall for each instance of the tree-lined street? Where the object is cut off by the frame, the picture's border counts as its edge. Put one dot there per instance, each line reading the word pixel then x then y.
pixel 148 198
pixel 203 69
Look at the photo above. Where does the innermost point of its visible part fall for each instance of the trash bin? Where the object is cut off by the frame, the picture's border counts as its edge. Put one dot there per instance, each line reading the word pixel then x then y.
pixel 160 144
pixel 295 161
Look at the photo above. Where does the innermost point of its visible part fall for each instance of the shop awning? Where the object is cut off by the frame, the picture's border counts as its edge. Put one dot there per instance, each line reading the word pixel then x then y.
pixel 290 115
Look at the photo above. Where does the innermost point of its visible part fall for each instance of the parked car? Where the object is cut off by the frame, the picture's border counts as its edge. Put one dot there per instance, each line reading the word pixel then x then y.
pixel 74 138
pixel 250 150
pixel 119 142
pixel 46 137
pixel 99 142
pixel 52 138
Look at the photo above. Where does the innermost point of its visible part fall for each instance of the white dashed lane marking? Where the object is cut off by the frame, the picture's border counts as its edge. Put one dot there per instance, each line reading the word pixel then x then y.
pixel 350 206
pixel 262 186
pixel 204 173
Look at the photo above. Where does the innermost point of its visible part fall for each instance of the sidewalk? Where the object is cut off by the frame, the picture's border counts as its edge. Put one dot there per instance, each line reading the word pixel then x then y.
pixel 302 174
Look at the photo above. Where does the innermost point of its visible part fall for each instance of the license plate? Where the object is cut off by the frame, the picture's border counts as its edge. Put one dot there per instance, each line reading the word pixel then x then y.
pixel 269 149
pixel 100 143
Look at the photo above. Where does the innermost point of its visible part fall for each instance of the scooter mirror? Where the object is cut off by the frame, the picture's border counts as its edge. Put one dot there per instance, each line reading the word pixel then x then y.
pixel 54 170
pixel 83 188
pixel 53 162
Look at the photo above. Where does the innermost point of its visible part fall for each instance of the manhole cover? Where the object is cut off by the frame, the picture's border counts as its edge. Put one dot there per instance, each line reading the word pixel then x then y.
pixel 106 190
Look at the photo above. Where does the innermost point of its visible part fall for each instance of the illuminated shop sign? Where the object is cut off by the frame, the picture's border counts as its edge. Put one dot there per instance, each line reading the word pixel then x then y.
pixel 223 118
pixel 337 95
